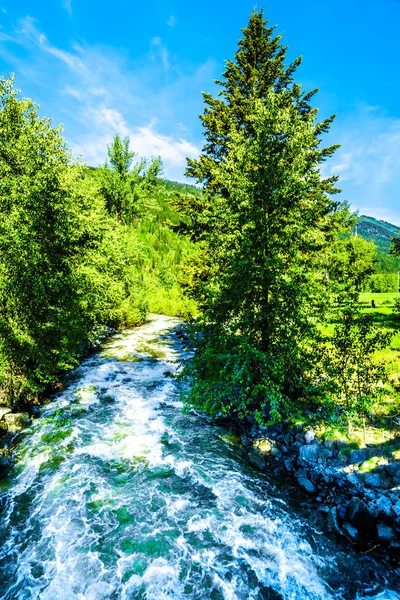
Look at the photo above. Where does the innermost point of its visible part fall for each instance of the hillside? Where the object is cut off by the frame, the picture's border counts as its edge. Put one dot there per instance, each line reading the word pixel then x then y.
pixel 379 232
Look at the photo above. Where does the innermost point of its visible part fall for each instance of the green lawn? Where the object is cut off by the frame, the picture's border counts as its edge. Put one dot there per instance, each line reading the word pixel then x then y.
pixel 384 424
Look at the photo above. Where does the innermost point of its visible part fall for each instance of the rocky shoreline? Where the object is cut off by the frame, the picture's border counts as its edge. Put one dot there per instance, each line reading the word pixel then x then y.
pixel 362 506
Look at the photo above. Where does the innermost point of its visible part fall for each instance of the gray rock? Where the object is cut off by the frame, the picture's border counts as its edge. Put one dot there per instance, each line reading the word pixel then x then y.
pixel 342 511
pixel 245 441
pixel 311 452
pixel 396 509
pixel 373 480
pixel 332 520
pixel 276 452
pixel 330 444
pixel 307 485
pixel 4 410
pixel 326 453
pixel 393 470
pixel 351 531
pixel 256 458
pixel 309 436
pixel 384 532
pixel 17 421
pixel 357 456
pixel 359 516
pixel 381 506
pixel 352 478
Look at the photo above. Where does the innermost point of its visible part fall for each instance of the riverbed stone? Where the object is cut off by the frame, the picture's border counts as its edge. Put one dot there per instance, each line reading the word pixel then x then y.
pixel 245 441
pixel 358 515
pixel 4 410
pixel 256 458
pixel 385 532
pixel 310 452
pixel 307 485
pixel 265 445
pixel 373 480
pixel 276 452
pixel 17 421
pixel 351 531
pixel 357 456
pixel 309 436
pixel 380 506
pixel 396 509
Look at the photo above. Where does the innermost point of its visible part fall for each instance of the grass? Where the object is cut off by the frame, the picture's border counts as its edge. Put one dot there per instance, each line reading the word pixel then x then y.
pixel 383 430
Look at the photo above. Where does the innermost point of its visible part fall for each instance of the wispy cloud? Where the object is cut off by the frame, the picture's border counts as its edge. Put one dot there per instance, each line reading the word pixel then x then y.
pixel 68 6
pixel 96 94
pixel 171 21
pixel 161 51
pixel 368 161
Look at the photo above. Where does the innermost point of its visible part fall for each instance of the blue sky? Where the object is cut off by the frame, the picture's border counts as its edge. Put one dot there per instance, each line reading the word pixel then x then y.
pixel 138 68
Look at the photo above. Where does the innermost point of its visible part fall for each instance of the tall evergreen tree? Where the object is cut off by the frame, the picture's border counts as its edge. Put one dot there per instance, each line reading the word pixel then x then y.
pixel 257 69
pixel 265 225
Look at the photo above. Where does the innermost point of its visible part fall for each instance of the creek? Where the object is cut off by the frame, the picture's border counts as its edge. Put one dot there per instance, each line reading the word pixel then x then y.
pixel 116 494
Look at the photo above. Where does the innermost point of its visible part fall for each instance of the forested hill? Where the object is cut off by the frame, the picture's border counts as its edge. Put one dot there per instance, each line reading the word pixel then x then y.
pixel 379 232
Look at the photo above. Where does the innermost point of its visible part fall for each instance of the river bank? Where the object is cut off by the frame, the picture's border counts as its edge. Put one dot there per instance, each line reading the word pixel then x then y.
pixel 361 505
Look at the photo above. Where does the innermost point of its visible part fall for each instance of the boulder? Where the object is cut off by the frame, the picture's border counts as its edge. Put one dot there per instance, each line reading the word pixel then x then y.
pixel 332 520
pixel 17 421
pixel 326 453
pixel 380 507
pixel 373 480
pixel 393 470
pixel 396 509
pixel 4 410
pixel 265 445
pixel 276 452
pixel 309 436
pixel 357 456
pixel 256 458
pixel 245 441
pixel 310 452
pixel 359 516
pixel 351 531
pixel 307 485
pixel 384 532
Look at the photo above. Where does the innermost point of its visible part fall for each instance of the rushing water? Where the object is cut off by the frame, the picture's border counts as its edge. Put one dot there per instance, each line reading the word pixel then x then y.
pixel 117 495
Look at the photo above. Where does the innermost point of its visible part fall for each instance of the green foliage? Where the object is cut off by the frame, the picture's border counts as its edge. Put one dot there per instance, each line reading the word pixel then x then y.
pixel 355 376
pixel 381 283
pixel 350 263
pixel 76 249
pixel 262 289
pixel 127 191
pixel 45 231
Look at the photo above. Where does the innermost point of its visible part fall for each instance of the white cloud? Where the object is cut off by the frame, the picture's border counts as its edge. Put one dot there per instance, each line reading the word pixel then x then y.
pixel 109 119
pixel 68 6
pixel 171 21
pixel 162 52
pixel 368 161
pixel 339 168
pixel 96 94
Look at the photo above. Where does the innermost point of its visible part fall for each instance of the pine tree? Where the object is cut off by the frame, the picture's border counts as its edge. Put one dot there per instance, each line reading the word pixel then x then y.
pixel 257 69
pixel 265 223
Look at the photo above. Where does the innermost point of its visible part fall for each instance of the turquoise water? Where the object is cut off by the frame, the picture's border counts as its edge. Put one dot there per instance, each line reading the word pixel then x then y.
pixel 118 495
